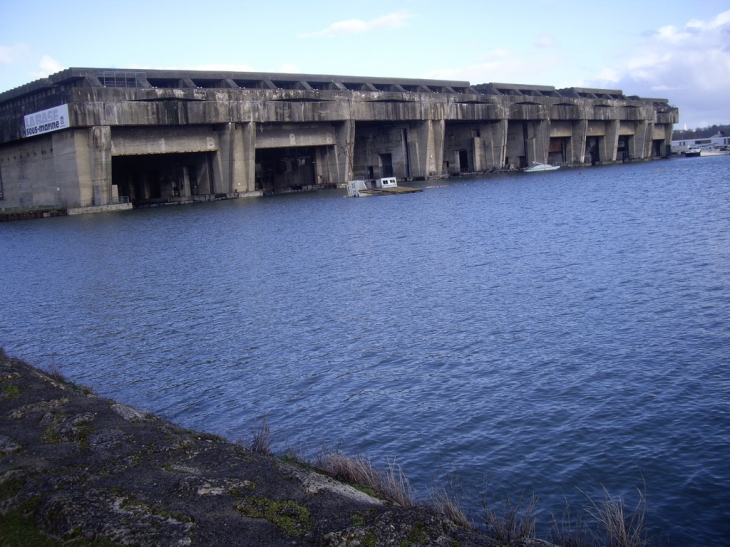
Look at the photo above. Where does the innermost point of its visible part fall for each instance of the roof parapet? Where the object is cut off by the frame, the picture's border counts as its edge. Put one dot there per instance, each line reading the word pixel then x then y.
pixel 591 93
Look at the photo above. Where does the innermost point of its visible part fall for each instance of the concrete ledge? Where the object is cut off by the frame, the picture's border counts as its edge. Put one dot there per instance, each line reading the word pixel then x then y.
pixel 254 194
pixel 99 208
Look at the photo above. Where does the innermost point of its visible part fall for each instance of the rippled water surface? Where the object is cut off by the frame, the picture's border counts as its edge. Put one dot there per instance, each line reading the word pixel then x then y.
pixel 553 331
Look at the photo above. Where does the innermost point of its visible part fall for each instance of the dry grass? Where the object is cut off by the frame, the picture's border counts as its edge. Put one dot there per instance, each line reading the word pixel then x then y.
pixel 54 372
pixel 260 441
pixel 571 530
pixel 512 522
pixel 447 502
pixel 604 523
pixel 617 526
pixel 391 484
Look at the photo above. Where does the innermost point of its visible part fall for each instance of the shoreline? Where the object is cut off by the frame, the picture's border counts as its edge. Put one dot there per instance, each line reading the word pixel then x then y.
pixel 79 468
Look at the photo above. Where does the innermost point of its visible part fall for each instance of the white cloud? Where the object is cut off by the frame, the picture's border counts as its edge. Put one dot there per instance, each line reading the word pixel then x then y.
pixel 690 66
pixel 289 68
pixel 12 55
pixel 391 21
pixel 500 65
pixel 48 66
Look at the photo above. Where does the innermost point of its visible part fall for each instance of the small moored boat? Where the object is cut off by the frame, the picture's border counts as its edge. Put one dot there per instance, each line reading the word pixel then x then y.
pixel 712 151
pixel 383 187
pixel 537 167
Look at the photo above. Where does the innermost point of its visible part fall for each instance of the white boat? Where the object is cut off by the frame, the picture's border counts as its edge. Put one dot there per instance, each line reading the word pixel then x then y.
pixel 354 187
pixel 537 167
pixel 385 186
pixel 711 151
pixel 693 151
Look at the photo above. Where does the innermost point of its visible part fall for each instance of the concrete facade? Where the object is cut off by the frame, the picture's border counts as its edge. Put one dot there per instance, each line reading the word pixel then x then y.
pixel 164 136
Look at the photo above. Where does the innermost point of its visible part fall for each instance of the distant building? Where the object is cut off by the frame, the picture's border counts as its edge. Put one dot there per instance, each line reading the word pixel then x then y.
pixel 718 140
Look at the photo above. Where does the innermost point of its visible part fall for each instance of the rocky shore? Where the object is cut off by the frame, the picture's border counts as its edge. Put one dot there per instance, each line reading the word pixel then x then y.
pixel 78 469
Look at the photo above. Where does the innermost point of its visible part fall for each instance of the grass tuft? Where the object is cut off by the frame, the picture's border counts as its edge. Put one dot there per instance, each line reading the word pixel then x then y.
pixel 617 526
pixel 260 442
pixel 512 522
pixel 358 470
pixel 447 502
pixel 571 530
pixel 54 372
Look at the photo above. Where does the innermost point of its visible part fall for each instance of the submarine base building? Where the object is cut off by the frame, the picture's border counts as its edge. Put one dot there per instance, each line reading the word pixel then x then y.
pixel 95 138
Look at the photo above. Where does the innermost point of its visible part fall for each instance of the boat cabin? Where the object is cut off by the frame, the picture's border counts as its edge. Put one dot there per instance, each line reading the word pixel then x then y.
pixel 386 182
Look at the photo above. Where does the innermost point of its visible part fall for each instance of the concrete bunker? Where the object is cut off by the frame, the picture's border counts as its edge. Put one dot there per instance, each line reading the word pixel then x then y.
pixel 174 135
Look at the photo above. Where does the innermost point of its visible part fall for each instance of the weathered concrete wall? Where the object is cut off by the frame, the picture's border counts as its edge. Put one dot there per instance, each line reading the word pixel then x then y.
pixel 133 141
pixel 222 133
pixel 27 168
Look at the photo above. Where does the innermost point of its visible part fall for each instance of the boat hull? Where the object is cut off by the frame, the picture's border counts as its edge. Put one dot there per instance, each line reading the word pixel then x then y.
pixel 540 167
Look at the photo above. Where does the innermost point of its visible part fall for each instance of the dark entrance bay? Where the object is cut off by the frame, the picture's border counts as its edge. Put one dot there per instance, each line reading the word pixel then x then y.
pixel 553 332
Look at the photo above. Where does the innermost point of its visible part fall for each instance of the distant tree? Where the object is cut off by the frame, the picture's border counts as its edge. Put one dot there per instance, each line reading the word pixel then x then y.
pixel 700 132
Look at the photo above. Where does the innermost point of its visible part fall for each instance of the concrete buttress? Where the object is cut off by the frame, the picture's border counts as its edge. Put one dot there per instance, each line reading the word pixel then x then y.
pixel 578 141
pixel 610 142
pixel 344 155
pixel 238 157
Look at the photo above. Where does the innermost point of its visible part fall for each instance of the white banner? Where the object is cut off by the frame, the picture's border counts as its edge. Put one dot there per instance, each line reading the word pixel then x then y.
pixel 44 121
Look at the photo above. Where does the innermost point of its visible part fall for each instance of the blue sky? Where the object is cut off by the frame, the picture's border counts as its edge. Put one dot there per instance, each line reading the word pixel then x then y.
pixel 674 49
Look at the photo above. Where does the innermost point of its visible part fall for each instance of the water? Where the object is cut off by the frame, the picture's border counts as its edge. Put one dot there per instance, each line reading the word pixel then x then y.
pixel 552 331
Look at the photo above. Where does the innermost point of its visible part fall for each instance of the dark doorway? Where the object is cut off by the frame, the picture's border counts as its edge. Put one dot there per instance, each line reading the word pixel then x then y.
pixel 656 148
pixel 282 169
pixel 158 178
pixel 463 161
pixel 622 148
pixel 386 165
pixel 592 150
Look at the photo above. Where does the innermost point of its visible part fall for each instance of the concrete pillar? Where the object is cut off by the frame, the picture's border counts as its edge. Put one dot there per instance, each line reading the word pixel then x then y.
pixel 578 142
pixel 426 146
pixel 609 143
pixel 100 163
pixel 477 151
pixel 649 139
pixel 230 138
pixel 436 153
pixel 216 165
pixel 249 156
pixel 65 167
pixel 82 165
pixel 341 161
pixel 537 145
pixel 185 191
pixel 237 157
pixel 321 161
pixel 638 145
pixel 494 144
